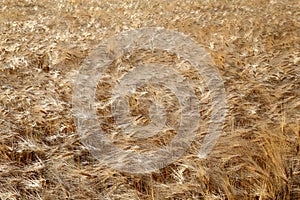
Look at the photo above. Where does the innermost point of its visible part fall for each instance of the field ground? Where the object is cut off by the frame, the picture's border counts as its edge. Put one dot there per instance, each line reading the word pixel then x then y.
pixel 255 46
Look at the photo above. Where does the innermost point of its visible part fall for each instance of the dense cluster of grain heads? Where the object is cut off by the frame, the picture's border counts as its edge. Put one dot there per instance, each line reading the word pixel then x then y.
pixel 255 48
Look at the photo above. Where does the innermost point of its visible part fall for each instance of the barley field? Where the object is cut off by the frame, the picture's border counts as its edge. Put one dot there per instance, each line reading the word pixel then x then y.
pixel 255 45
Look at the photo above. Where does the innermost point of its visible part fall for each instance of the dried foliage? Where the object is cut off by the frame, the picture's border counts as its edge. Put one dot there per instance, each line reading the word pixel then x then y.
pixel 256 47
